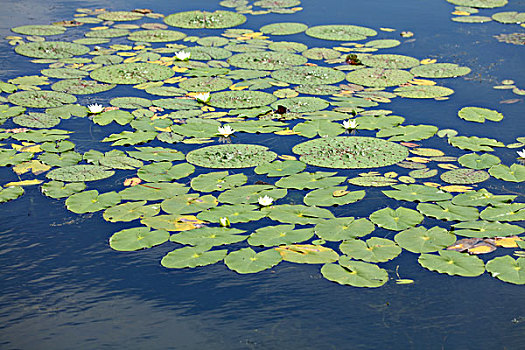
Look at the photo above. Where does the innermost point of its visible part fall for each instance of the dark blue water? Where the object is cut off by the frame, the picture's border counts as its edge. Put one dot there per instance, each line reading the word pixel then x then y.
pixel 62 287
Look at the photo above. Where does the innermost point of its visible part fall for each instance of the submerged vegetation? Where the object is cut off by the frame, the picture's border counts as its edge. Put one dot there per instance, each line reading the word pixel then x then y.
pixel 172 90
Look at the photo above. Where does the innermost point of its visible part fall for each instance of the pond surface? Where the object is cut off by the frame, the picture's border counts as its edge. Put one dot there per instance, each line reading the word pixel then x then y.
pixel 63 287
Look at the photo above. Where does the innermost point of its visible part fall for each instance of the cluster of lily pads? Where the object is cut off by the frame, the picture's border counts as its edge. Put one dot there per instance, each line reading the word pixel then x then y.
pixel 191 90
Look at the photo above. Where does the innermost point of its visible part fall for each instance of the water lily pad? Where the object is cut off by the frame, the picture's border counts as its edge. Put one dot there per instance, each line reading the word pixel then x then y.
pixel 173 223
pixel 41 99
pixel 192 257
pixel 284 28
pixel 156 154
pixel 312 128
pixel 344 228
pixel 153 191
pixel 423 91
pixel 486 229
pixel 114 159
pixel 317 89
pixel 374 249
pixel 481 198
pixel 509 17
pixel 79 173
pixel 307 254
pixel 188 203
pixel 131 73
pixel 59 189
pixel 10 193
pixel 440 70
pixel 81 87
pixel 301 104
pixel 476 161
pixel 116 115
pixel 250 194
pixel 156 36
pixel 270 236
pixel 507 269
pixel 417 193
pixel 164 171
pixel 309 75
pixel 475 144
pixel 423 173
pixel 420 240
pixel 241 99
pixel 91 201
pixel 39 29
pixel 235 213
pixel 120 16
pixel 396 220
pixel 36 120
pixel 51 49
pixel 505 212
pixel 379 77
pixel 514 173
pixel 448 211
pixel 350 152
pixel 298 214
pixel 464 176
pixel 204 19
pixel 479 3
pixel 130 211
pixel 205 84
pixel 479 115
pixel 246 260
pixel 64 73
pixel 305 180
pixel 130 102
pixel 126 138
pixel 212 41
pixel 209 236
pixel 107 33
pixel 217 181
pixel 60 160
pixel 372 181
pixel 383 43
pixel 330 196
pixel 472 19
pixel 453 263
pixel 280 168
pixel 390 61
pixel 266 60
pixel 355 273
pixel 340 32
pixel 230 156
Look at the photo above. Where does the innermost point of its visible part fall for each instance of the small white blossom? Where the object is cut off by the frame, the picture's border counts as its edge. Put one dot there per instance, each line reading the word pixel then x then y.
pixel 265 201
pixel 203 97
pixel 521 153
pixel 225 130
pixel 225 222
pixel 95 108
pixel 350 124
pixel 182 55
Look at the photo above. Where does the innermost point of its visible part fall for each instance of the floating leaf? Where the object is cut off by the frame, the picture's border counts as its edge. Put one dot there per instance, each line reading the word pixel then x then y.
pixel 205 19
pixel 355 273
pixel 420 240
pixel 309 75
pixel 448 211
pixel 345 228
pixel 453 263
pixel 475 144
pixel 51 49
pixel 58 189
pixel 270 236
pixel 464 176
pixel 79 173
pixel 153 191
pixel 374 249
pixel 417 193
pixel 217 181
pixel 504 212
pixel 130 211
pixel 423 91
pixel 280 168
pixel 156 154
pixel 230 156
pixel 397 220
pixel 440 70
pixel 10 193
pixel 483 229
pixel 235 213
pixel 475 161
pixel 307 254
pixel 241 99
pixel 39 30
pixel 479 3
pixel 137 238
pixel 188 203
pixel 514 173
pixel 379 77
pixel 266 60
pixel 91 201
pixel 319 179
pixel 250 194
pixel 479 115
pixel 41 99
pixel 481 198
pixel 284 28
pixel 298 214
pixel 164 171
pixel 209 236
pixel 507 269
pixel 340 32
pixel 372 181
pixel 192 257
pixel 324 197
pixel 131 73
pixel 408 133
pixel 81 87
pixel 36 120
pixel 156 36
pixel 246 260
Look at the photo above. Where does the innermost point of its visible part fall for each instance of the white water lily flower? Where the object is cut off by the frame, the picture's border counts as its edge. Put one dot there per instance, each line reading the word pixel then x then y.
pixel 203 97
pixel 225 130
pixel 350 124
pixel 95 108
pixel 265 201
pixel 521 153
pixel 182 55
pixel 224 222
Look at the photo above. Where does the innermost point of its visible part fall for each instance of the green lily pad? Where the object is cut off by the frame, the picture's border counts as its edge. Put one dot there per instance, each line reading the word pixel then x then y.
pixel 509 17
pixel 44 135
pixel 209 236
pixel 246 260
pixel 39 29
pixel 514 173
pixel 41 99
pixel 504 212
pixel 479 3
pixel 108 60
pixel 298 214
pixel 453 263
pixel 378 122
pixel 120 16
pixel 440 70
pixel 10 193
pixel 107 33
pixel 230 156
pixel 507 269
pixel 317 89
pixel 208 53
pixel 131 73
pixel 486 229
pixel 423 173
pixel 192 257
pixel 164 171
pixel 390 61
pixel 126 138
pixel 137 238
pixel 321 127
pixel 383 43
pixel 340 32
pixel 396 220
pixel 309 75
pixel 204 19
pixel 276 4
pixel 270 236
pixel 51 49
pixel 156 154
pixel 301 104
pixel 372 181
pixel 91 201
pixel 36 120
pixel 153 191
pixel 345 228
pixel 479 115
pixel 305 180
pixel 250 194
pixel 156 36
pixel 374 249
pixel 355 273
pixel 350 152
pixel 217 181
pixel 130 211
pixel 472 19
pixel 130 102
pixel 266 60
pixel 448 211
pixel 197 127
pixel 212 41
pixel 68 111
pixel 117 115
pixel 307 254
pixel 321 53
pixel 423 91
pixel 241 99
pixel 60 160
pixel 204 84
pixel 64 73
pixel 326 197
pixel 481 198
pixel 464 176
pixel 79 173
pixel 81 87
pixel 284 28
pixel 379 77
pixel 235 213
pixel 417 193
pixel 475 144
pixel 188 203
pixel 280 168
pixel 59 189
pixel 476 161
pixel 8 112
pixel 116 159
pixel 420 240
